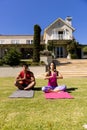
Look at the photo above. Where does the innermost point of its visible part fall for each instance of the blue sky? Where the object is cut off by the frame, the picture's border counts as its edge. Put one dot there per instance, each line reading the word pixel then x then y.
pixel 20 16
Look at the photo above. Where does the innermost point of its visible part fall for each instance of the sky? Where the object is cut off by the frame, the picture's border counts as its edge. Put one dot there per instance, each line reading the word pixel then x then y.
pixel 18 17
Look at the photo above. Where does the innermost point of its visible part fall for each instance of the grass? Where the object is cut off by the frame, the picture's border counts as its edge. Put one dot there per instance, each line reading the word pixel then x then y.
pixel 39 113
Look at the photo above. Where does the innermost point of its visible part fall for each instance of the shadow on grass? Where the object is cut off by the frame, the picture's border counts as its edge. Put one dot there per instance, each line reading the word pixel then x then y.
pixel 37 88
pixel 69 90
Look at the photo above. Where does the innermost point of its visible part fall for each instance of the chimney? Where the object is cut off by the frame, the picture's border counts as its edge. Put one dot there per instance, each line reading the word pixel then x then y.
pixel 69 20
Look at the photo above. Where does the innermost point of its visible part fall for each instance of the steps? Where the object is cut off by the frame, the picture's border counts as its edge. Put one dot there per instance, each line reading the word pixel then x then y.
pixel 72 68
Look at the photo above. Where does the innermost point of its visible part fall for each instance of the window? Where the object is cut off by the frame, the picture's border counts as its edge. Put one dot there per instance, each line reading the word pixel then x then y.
pixel 2 41
pixel 27 41
pixel 60 34
pixel 14 41
pixel 67 31
pixel 60 51
pixel 31 41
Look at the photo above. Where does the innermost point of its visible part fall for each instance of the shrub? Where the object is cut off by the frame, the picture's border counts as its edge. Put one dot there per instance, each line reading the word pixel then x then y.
pixel 25 62
pixel 74 56
pixel 12 57
pixel 84 49
pixel 1 62
pixel 42 63
pixel 35 63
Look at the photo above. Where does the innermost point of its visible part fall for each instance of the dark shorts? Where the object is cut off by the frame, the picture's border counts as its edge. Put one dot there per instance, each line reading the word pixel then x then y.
pixel 24 85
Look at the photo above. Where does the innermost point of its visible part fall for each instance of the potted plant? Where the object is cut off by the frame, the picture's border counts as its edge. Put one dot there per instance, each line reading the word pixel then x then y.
pixel 46 56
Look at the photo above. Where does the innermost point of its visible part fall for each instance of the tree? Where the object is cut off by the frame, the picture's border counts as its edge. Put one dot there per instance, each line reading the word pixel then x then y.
pixel 72 48
pixel 12 57
pixel 85 49
pixel 36 48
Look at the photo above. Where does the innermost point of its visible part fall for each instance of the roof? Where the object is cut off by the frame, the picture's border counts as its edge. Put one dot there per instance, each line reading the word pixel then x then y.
pixel 15 35
pixel 59 19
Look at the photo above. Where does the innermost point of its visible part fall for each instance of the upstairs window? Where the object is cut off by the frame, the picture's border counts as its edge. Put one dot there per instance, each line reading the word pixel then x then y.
pixel 2 41
pixel 27 41
pixel 60 34
pixel 14 41
pixel 32 41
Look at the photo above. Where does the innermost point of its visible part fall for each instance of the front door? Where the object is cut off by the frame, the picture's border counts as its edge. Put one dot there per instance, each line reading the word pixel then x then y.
pixel 60 52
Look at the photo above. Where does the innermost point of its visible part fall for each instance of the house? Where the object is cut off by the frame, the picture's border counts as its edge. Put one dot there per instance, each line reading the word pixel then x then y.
pixel 59 33
pixel 22 42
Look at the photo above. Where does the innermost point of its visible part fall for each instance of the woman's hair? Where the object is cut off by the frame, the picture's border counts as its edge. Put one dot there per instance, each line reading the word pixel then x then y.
pixel 50 64
pixel 49 72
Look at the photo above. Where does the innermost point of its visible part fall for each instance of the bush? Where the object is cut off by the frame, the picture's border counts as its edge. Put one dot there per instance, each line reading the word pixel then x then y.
pixel 84 49
pixel 35 63
pixel 72 48
pixel 73 56
pixel 42 63
pixel 12 57
pixel 29 62
pixel 1 62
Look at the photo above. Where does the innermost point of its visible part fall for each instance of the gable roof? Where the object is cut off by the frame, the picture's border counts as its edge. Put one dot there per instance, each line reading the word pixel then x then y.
pixel 63 21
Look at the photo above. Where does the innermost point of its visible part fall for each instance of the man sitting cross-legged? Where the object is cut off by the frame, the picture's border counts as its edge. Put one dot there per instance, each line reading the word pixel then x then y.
pixel 25 79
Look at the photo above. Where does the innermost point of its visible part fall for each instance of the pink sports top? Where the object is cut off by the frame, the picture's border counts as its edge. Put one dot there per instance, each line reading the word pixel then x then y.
pixel 53 80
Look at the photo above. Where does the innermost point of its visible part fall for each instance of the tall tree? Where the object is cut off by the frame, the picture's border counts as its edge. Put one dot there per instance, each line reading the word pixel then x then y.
pixel 36 48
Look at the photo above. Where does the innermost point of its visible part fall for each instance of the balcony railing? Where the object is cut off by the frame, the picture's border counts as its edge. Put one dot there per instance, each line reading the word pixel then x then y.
pixel 60 37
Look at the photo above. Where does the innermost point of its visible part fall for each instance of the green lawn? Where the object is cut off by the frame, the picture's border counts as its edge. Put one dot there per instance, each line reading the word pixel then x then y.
pixel 39 113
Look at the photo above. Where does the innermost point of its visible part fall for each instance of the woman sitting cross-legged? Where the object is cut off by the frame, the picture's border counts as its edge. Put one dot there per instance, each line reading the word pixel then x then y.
pixel 52 76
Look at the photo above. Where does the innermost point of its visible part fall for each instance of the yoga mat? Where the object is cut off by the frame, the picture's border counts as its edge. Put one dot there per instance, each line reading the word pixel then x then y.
pixel 22 94
pixel 58 95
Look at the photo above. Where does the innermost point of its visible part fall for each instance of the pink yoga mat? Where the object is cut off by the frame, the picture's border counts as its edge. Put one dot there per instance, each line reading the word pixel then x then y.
pixel 59 95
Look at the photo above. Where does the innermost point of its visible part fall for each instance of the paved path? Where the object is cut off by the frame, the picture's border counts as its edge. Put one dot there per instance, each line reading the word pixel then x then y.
pixel 68 68
pixel 38 71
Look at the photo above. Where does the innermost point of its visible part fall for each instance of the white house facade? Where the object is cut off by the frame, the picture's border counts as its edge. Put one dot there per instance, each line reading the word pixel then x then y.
pixel 57 34
pixel 16 39
pixel 21 41
pixel 59 30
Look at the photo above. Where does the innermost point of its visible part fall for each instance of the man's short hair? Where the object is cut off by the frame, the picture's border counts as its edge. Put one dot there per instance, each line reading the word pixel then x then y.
pixel 26 65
